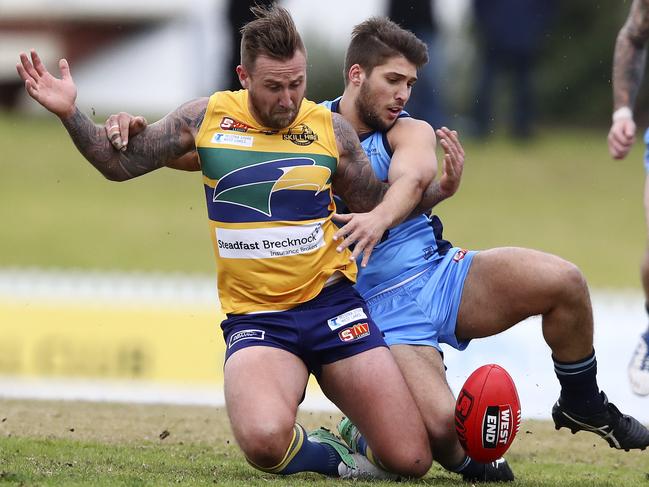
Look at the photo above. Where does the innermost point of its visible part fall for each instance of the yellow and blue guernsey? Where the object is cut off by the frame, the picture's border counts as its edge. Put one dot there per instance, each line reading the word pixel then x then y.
pixel 269 203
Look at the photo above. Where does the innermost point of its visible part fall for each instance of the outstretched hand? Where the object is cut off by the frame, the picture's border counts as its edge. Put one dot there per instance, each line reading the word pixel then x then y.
pixel 449 182
pixel 56 95
pixel 363 230
pixel 119 127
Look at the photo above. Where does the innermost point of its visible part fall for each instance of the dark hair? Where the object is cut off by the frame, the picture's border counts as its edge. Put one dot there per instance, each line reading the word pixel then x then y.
pixel 272 33
pixel 378 39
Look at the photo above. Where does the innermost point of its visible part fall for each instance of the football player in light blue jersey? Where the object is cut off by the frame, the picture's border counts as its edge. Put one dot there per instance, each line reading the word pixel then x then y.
pixel 422 291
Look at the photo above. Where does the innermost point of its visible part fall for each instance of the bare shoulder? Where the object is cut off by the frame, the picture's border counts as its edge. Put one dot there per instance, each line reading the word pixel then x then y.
pixel 408 129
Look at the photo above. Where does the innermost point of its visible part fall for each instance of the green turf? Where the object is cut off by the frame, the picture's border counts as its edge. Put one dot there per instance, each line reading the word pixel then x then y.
pixel 58 211
pixel 45 443
pixel 561 193
pixel 81 443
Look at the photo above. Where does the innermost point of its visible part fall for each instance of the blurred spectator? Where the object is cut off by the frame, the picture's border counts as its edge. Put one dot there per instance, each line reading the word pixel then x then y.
pixel 418 16
pixel 510 35
pixel 239 14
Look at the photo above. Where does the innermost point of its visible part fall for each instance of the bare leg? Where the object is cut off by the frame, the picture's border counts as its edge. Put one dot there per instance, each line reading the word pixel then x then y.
pixel 424 372
pixel 507 285
pixel 644 274
pixel 370 390
pixel 639 365
pixel 644 268
pixel 263 387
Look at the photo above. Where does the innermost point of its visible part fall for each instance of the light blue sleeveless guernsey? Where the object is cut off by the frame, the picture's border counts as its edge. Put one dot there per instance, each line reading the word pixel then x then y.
pixel 411 246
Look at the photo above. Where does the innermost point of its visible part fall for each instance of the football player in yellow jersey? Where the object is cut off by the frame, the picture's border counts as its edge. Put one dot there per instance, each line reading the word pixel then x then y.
pixel 466 299
pixel 270 354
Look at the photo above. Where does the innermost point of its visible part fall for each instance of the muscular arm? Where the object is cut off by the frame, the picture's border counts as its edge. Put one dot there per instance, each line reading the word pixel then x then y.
pixel 630 55
pixel 358 186
pixel 628 66
pixel 160 144
pixel 354 180
pixel 449 181
pixel 432 196
pixel 413 165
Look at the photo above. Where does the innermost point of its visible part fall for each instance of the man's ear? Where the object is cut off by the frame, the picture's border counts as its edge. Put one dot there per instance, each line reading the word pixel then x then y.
pixel 244 76
pixel 356 75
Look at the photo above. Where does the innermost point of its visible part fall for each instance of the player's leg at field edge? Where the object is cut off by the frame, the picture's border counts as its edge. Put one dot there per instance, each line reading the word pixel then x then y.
pixel 370 390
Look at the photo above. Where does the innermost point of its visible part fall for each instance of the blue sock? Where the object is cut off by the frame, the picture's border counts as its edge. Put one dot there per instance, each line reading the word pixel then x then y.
pixel 579 390
pixel 305 456
pixel 464 465
pixel 361 445
pixel 470 468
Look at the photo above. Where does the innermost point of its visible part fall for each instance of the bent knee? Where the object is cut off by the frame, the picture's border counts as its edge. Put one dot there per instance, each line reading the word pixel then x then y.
pixel 441 431
pixel 265 445
pixel 570 279
pixel 410 462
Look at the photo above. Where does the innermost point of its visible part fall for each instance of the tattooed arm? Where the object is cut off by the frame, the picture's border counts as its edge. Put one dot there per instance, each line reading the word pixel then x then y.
pixel 354 180
pixel 628 67
pixel 160 143
pixel 356 183
pixel 630 55
pixel 122 126
pixel 449 182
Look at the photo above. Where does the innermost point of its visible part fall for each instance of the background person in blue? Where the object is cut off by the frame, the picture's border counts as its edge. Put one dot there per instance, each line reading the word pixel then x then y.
pixel 628 68
pixel 510 36
pixel 422 291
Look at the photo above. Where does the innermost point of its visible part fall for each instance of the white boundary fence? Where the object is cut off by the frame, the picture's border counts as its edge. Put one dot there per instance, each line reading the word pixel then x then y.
pixel 619 319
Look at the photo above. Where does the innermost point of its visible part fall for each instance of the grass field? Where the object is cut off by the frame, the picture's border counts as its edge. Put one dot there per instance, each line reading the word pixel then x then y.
pixel 560 193
pixel 76 443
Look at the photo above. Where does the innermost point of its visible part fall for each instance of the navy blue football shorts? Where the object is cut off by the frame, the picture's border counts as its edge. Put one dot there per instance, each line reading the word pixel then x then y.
pixel 334 325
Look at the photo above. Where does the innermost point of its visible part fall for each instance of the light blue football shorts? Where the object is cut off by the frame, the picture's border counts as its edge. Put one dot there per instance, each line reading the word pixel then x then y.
pixel 423 311
pixel 646 152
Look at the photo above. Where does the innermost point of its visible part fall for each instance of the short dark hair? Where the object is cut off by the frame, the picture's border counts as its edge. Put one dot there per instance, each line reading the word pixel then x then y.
pixel 378 39
pixel 272 33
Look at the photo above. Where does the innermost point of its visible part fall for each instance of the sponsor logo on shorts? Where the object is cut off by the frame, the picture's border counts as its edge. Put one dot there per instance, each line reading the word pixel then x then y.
pixel 429 252
pixel 359 330
pixel 496 426
pixel 301 135
pixel 355 314
pixel 228 123
pixel 268 243
pixel 459 255
pixel 246 335
pixel 232 139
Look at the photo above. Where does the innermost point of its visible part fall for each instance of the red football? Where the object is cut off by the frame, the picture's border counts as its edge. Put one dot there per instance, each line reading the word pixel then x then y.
pixel 487 413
